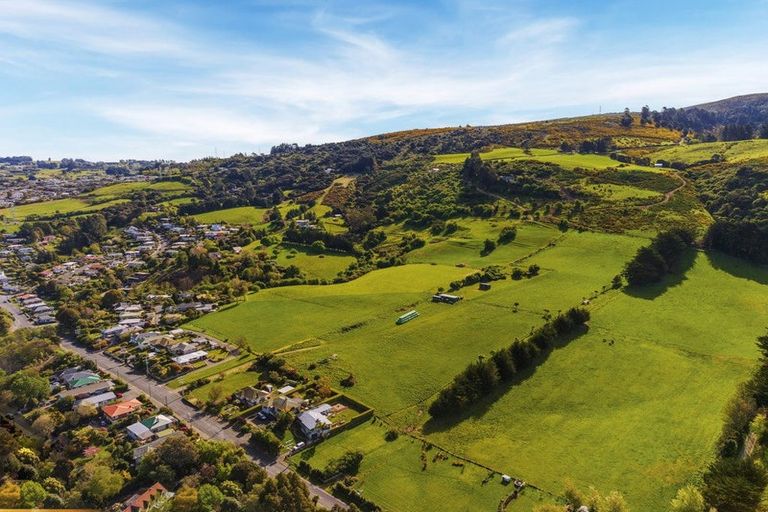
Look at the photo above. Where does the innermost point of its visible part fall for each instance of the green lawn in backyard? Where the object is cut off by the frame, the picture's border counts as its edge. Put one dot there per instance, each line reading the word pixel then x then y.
pixel 314 263
pixel 229 384
pixel 564 160
pixel 636 403
pixel 391 473
pixel 241 215
pixel 243 360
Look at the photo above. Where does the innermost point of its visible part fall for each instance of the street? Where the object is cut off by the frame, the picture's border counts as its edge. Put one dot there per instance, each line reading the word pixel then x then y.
pixel 20 320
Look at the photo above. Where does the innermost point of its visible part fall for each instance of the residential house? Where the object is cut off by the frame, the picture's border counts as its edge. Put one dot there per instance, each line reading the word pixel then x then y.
pixel 148 499
pixel 315 423
pixel 190 358
pixel 96 400
pixel 89 390
pixel 116 411
pixel 139 432
pixel 158 423
pixel 251 396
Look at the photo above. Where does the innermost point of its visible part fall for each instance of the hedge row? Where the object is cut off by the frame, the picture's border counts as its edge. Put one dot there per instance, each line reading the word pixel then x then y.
pixel 482 376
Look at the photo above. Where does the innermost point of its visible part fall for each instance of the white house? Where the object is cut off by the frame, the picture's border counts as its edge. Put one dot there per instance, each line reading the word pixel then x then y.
pixel 315 423
pixel 190 358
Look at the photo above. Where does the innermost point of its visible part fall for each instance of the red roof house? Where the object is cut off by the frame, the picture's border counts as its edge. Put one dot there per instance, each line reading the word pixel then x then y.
pixel 141 502
pixel 118 410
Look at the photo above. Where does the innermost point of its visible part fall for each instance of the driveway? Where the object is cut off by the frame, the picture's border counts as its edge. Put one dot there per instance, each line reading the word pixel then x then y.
pixel 207 426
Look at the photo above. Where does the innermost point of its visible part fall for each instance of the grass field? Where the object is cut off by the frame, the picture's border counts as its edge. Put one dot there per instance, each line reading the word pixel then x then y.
pixel 242 215
pixel 391 474
pixel 122 189
pixel 268 319
pixel 45 208
pixel 314 263
pixel 636 403
pixel 611 192
pixel 564 160
pixel 465 245
pixel 734 152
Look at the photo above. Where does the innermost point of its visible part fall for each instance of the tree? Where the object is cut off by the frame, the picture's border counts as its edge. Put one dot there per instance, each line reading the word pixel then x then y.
pixel 32 494
pixel 626 118
pixel 44 425
pixel 10 494
pixel 28 388
pixel 647 267
pixel 102 484
pixel 185 500
pixel 110 298
pixel 180 453
pixel 215 393
pixel 508 234
pixel 488 246
pixel 6 322
pixel 645 115
pixel 688 499
pixel 239 288
pixel 209 498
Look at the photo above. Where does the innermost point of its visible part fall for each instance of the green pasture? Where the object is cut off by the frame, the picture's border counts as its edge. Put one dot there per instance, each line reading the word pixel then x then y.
pixel 277 317
pixel 314 263
pixel 122 189
pixel 614 193
pixel 466 244
pixel 733 152
pixel 241 215
pixel 391 474
pixel 43 209
pixel 636 403
pixel 564 160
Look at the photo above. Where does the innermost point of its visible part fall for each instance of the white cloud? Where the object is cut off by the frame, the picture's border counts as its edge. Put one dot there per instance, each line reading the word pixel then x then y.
pixel 543 31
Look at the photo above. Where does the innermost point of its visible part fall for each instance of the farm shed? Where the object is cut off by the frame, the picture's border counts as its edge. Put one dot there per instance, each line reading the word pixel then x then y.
pixel 407 317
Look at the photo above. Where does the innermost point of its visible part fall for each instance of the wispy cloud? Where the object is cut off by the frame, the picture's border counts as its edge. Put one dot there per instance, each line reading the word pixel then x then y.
pixel 139 80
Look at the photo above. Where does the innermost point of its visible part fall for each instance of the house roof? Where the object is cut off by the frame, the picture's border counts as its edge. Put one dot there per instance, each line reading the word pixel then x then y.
pixel 313 418
pixel 199 354
pixel 158 421
pixel 139 430
pixel 139 502
pixel 121 409
pixel 98 399
pixel 83 381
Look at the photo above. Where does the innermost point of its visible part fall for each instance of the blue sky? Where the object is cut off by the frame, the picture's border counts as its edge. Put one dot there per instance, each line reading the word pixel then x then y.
pixel 185 79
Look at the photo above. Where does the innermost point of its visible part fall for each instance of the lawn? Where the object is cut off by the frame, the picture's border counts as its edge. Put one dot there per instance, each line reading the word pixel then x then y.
pixel 241 215
pixel 210 371
pixel 636 403
pixel 229 384
pixel 391 474
pixel 313 262
pixel 564 160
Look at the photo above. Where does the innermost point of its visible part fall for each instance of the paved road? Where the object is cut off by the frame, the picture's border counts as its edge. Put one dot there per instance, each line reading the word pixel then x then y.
pixel 20 320
pixel 208 426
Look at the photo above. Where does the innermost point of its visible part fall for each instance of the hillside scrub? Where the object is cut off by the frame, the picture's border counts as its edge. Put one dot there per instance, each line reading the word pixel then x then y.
pixel 652 263
pixel 482 376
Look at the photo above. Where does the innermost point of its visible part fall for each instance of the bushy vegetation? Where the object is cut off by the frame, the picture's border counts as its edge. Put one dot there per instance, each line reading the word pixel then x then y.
pixel 662 256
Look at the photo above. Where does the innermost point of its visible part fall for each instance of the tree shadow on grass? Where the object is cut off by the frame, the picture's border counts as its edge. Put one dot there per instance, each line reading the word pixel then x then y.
pixel 674 278
pixel 481 407
pixel 738 267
